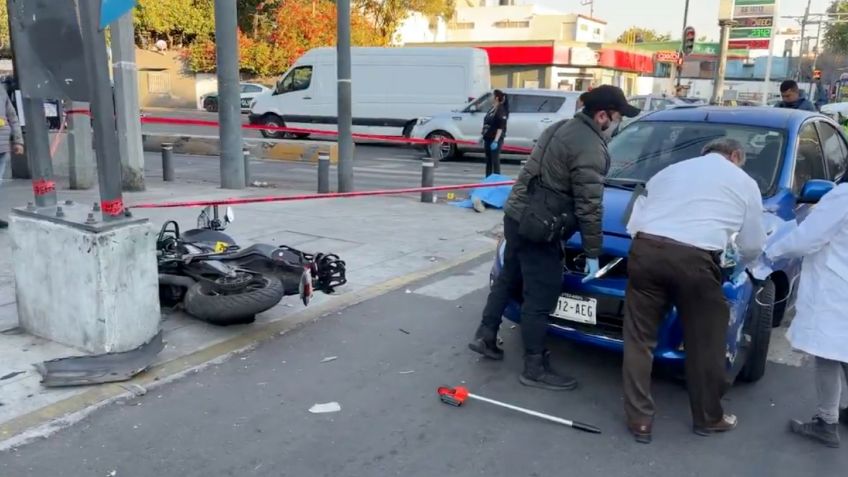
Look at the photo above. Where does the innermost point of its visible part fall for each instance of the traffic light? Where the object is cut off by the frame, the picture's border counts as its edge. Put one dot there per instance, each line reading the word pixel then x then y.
pixel 816 74
pixel 688 40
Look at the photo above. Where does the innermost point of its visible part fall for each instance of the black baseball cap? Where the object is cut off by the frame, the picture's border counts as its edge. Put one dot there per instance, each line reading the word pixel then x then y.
pixel 607 97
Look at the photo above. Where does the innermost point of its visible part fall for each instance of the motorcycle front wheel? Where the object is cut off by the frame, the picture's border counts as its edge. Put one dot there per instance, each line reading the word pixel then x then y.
pixel 234 307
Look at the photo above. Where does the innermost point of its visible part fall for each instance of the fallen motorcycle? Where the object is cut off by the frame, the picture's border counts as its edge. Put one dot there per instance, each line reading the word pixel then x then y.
pixel 217 281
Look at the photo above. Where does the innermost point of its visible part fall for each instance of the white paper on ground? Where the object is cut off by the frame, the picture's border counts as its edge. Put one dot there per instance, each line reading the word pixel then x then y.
pixel 325 408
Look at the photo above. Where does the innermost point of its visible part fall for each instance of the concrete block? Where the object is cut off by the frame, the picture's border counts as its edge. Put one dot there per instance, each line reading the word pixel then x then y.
pixel 93 288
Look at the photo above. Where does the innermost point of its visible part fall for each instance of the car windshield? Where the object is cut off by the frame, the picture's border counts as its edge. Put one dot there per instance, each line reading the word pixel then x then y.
pixel 646 147
pixel 483 103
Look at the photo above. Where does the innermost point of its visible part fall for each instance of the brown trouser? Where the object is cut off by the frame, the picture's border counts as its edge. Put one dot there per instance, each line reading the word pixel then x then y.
pixel 662 273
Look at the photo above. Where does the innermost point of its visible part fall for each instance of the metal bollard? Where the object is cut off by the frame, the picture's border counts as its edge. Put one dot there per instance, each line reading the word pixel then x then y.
pixel 246 152
pixel 168 162
pixel 323 172
pixel 427 179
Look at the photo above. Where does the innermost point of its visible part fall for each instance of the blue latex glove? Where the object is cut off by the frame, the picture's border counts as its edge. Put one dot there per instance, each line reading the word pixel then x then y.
pixel 494 146
pixel 592 267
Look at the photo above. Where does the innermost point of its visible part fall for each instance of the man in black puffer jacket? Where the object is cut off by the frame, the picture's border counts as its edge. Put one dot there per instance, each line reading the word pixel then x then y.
pixel 571 159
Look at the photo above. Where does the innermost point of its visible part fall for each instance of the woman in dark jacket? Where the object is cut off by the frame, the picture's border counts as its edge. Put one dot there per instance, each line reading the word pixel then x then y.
pixel 494 131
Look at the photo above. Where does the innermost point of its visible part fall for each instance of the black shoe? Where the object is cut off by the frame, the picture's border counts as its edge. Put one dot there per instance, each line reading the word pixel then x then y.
pixel 817 430
pixel 538 373
pixel 4 224
pixel 843 416
pixel 486 343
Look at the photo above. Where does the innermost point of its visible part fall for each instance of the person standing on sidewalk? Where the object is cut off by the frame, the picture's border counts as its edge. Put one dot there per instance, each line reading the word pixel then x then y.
pixel 681 228
pixel 563 185
pixel 494 131
pixel 11 139
pixel 820 326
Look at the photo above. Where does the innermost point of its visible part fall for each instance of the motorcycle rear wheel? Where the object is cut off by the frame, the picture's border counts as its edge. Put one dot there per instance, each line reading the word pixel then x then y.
pixel 233 308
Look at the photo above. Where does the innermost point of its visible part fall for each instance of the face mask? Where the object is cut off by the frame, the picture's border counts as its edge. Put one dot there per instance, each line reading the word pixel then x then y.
pixel 611 128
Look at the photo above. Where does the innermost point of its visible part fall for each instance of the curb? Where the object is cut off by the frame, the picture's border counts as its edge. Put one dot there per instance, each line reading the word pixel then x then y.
pixel 54 417
pixel 276 149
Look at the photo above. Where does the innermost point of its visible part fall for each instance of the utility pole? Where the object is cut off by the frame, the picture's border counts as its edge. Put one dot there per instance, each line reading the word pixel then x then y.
pixel 125 74
pixel 32 109
pixel 718 84
pixel 685 21
pixel 102 111
pixel 803 36
pixel 345 113
pixel 767 80
pixel 229 95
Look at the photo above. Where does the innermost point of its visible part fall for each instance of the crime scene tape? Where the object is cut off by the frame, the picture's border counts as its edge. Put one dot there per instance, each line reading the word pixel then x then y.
pixel 330 195
pixel 313 132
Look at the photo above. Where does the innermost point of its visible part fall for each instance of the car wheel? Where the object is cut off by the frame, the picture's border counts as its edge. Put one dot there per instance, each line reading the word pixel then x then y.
pixel 210 105
pixel 759 327
pixel 448 148
pixel 274 121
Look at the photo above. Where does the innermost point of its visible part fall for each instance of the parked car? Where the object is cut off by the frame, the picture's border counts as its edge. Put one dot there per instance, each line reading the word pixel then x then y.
pixel 391 89
pixel 249 92
pixel 530 112
pixel 791 154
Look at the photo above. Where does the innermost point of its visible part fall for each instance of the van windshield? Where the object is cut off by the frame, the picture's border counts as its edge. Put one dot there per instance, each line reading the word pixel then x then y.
pixel 483 103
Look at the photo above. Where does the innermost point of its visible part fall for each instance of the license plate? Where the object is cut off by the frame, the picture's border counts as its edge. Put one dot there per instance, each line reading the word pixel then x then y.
pixel 577 308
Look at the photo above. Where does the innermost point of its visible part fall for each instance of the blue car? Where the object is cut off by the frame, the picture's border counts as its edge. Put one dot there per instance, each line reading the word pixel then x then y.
pixel 795 157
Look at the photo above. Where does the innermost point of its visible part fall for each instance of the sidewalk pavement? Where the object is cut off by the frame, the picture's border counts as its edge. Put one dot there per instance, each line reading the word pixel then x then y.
pixel 386 241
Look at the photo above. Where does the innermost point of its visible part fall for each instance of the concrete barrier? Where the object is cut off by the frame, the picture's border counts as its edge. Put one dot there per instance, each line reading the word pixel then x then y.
pixel 302 151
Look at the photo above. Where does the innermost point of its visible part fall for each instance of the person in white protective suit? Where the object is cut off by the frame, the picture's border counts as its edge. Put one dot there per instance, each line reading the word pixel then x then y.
pixel 820 326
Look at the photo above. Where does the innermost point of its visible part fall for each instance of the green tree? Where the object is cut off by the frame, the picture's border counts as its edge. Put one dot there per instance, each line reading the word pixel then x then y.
pixel 5 43
pixel 641 35
pixel 836 34
pixel 298 26
pixel 179 22
pixel 387 15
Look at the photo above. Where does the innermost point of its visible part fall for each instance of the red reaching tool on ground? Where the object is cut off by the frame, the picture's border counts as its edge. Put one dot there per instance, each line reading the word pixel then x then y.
pixel 458 395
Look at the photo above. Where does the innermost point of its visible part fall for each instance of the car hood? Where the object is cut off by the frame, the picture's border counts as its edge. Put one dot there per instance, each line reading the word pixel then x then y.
pixel 615 204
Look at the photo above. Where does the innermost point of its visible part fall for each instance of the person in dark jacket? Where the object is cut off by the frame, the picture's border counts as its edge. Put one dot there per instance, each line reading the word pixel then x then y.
pixel 570 159
pixel 793 97
pixel 494 131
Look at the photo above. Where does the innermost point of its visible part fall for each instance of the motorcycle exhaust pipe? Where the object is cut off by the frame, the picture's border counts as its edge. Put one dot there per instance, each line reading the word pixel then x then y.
pixel 176 280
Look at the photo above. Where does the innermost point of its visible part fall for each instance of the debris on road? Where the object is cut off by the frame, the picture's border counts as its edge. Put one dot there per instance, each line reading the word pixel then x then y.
pixel 12 375
pixel 325 408
pixel 329 358
pixel 102 368
pixel 458 395
pixel 407 372
pixel 404 331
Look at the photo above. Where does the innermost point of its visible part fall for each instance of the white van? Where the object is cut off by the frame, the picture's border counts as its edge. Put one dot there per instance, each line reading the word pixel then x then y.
pixel 391 89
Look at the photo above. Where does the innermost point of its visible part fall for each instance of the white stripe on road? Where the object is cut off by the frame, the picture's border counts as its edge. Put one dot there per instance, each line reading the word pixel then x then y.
pixel 457 286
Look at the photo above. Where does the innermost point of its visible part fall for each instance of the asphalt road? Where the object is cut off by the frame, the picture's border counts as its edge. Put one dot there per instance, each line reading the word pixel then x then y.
pixel 250 415
pixel 375 167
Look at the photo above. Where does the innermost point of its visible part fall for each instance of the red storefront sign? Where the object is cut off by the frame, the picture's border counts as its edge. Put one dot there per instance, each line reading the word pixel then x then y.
pixel 549 55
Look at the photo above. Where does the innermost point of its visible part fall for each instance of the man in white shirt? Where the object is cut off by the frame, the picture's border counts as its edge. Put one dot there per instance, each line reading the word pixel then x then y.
pixel 691 210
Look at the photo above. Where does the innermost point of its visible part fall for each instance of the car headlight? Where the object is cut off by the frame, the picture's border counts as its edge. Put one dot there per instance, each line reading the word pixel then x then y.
pixel 423 121
pixel 252 103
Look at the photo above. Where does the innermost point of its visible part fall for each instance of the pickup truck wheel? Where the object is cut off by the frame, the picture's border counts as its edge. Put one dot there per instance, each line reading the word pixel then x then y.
pixel 759 328
pixel 449 150
pixel 274 121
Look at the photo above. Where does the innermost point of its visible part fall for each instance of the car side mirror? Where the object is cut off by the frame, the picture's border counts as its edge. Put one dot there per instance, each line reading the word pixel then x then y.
pixel 814 190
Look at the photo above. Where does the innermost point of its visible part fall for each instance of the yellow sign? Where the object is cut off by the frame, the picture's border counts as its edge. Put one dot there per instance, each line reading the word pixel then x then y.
pixel 220 247
pixel 451 196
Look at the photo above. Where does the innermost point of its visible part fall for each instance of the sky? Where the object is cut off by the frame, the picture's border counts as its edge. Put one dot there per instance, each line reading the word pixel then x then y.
pixel 666 16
